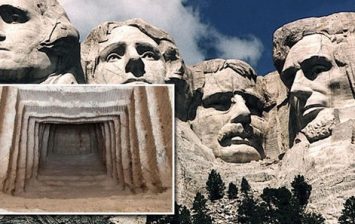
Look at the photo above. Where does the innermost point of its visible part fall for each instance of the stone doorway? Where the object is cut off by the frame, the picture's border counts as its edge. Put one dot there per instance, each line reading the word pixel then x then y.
pixel 73 165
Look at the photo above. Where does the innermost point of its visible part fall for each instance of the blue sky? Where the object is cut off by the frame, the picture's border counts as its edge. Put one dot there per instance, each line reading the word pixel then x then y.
pixel 262 18
pixel 206 29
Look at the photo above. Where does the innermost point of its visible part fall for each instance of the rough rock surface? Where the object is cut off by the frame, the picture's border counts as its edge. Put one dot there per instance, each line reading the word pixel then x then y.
pixel 276 113
pixel 192 169
pixel 66 143
pixel 328 166
pixel 302 116
pixel 44 50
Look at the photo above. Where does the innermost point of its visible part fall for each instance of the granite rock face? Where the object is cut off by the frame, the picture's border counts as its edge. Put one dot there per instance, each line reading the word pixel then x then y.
pixel 296 120
pixel 132 51
pixel 44 48
pixel 308 113
pixel 227 110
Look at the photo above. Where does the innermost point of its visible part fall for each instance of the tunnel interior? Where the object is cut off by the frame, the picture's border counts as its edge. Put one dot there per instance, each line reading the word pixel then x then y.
pixel 69 142
pixel 73 149
pixel 72 162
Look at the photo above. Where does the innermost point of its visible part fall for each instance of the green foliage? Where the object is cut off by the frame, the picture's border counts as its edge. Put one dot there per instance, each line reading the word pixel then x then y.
pixel 348 212
pixel 199 202
pixel 215 186
pixel 155 219
pixel 301 190
pixel 184 216
pixel 73 219
pixel 312 218
pixel 232 191
pixel 200 210
pixel 244 186
pixel 181 216
pixel 276 198
pixel 57 219
pixel 280 206
pixel 252 212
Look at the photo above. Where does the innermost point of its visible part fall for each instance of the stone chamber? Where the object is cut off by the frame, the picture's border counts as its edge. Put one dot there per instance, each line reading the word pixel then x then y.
pixel 100 148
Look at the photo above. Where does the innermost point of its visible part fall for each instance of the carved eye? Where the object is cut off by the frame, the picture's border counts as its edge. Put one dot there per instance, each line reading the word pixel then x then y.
pixel 317 69
pixel 254 104
pixel 147 51
pixel 171 54
pixel 314 66
pixel 113 57
pixel 15 18
pixel 149 55
pixel 219 101
pixel 13 15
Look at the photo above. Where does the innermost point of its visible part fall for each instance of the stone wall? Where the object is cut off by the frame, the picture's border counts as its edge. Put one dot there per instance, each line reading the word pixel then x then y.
pixel 37 121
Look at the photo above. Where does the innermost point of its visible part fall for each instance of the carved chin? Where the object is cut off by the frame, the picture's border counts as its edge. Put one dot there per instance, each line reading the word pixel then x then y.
pixel 321 127
pixel 239 154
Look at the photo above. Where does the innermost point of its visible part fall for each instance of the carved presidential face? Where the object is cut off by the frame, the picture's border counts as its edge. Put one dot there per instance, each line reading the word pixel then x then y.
pixel 175 68
pixel 228 120
pixel 129 56
pixel 315 80
pixel 20 35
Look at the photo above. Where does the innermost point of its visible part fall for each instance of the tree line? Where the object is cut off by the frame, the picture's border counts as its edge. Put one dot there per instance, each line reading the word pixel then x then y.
pixel 273 206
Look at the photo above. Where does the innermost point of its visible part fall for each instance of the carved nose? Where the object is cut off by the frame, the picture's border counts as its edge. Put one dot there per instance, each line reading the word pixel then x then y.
pixel 300 87
pixel 136 67
pixel 240 113
pixel 242 117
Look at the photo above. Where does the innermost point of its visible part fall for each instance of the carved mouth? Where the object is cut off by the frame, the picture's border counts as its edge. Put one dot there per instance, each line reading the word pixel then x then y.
pixel 311 111
pixel 239 140
pixel 235 134
pixel 136 81
pixel 3 49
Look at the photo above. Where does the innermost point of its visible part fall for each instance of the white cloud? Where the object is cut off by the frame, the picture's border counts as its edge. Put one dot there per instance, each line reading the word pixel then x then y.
pixel 183 24
pixel 248 49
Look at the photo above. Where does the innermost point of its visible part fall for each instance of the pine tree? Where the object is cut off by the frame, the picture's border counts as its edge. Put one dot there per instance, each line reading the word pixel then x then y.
pixel 348 212
pixel 244 186
pixel 301 190
pixel 251 212
pixel 181 216
pixel 155 219
pixel 280 207
pixel 184 216
pixel 289 208
pixel 215 186
pixel 312 218
pixel 200 210
pixel 232 191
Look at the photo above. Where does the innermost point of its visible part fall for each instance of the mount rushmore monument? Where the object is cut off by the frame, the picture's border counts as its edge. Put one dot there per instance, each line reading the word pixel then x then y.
pixel 299 119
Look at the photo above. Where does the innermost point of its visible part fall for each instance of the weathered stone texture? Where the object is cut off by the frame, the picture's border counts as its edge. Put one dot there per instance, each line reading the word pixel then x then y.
pixel 276 113
pixel 296 120
pixel 44 49
pixel 72 121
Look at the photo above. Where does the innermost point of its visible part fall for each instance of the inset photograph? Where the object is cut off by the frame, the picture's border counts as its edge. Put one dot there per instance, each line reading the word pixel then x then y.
pixel 86 149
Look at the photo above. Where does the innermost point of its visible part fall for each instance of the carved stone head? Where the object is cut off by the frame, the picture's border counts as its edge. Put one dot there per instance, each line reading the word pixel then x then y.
pixel 131 51
pixel 228 115
pixel 315 58
pixel 38 44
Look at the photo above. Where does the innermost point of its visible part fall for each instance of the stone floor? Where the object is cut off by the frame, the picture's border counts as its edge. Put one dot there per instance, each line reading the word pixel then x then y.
pixel 72 176
pixel 79 183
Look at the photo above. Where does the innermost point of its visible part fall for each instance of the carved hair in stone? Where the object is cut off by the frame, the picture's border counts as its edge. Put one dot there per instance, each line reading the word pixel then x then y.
pixel 38 44
pixel 131 51
pixel 316 60
pixel 228 111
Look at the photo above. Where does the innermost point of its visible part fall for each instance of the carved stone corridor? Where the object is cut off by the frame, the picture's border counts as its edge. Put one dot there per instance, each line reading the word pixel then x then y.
pixel 88 144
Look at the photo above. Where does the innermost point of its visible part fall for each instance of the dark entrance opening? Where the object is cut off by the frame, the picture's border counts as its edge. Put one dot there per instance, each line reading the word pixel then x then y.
pixel 72 165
